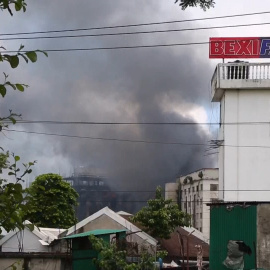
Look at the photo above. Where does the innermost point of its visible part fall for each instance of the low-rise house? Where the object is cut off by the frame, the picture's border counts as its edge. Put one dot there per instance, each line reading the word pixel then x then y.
pixel 108 219
pixel 36 240
pixel 83 254
pixel 34 249
pixel 182 245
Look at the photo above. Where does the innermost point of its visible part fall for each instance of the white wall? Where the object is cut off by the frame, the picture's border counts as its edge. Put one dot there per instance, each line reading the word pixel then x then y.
pixel 243 170
pixel 29 240
pixel 171 191
pixel 203 196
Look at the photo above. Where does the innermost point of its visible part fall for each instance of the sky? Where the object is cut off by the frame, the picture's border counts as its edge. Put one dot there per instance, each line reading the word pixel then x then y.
pixel 168 84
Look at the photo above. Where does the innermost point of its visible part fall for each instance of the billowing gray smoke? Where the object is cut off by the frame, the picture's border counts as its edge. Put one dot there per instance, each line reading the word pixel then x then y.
pixel 132 85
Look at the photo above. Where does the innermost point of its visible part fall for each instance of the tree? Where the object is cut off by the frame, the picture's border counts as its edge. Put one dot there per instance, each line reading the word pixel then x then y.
pixel 51 202
pixel 12 199
pixel 161 216
pixel 111 257
pixel 204 4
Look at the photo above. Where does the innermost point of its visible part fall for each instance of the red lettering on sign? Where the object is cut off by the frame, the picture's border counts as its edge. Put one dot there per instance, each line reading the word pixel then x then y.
pixel 243 44
pixel 229 47
pixel 235 47
pixel 216 48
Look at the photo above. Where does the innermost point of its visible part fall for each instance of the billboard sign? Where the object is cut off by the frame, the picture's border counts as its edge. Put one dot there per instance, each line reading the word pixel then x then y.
pixel 239 47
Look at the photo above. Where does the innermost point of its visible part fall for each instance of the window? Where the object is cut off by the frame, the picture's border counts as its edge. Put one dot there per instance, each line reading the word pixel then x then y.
pixel 197 202
pixel 185 205
pixel 84 183
pixel 101 183
pixel 201 201
pixel 213 187
pixel 188 190
pixel 193 189
pixel 200 215
pixel 201 186
pixel 197 188
pixel 185 191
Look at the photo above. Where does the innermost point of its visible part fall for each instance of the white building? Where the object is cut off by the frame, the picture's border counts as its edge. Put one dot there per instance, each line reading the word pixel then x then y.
pixel 195 191
pixel 243 90
pixel 36 240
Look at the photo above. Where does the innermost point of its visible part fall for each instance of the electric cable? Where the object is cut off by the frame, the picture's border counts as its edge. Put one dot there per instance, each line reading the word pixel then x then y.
pixel 135 123
pixel 135 25
pixel 138 141
pixel 107 139
pixel 135 33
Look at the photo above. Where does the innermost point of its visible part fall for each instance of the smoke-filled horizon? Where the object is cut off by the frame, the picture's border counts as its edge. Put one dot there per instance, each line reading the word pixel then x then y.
pixel 129 85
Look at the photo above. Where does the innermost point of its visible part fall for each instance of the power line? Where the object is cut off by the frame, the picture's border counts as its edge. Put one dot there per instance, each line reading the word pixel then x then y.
pixel 136 33
pixel 107 139
pixel 117 47
pixel 153 191
pixel 136 123
pixel 134 25
pixel 137 141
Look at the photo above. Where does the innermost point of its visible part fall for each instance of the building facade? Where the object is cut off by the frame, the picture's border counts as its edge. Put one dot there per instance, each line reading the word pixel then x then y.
pixel 195 191
pixel 243 91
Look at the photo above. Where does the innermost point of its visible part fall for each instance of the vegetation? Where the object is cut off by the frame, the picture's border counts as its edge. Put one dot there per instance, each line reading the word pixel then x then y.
pixel 51 202
pixel 161 216
pixel 111 258
pixel 12 199
pixel 204 4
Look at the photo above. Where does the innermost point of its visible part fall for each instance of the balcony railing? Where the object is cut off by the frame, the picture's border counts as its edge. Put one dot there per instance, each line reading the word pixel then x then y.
pixel 240 75
pixel 244 71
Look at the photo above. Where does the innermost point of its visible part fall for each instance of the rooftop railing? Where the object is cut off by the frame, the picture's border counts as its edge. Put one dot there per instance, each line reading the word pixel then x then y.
pixel 240 75
pixel 243 71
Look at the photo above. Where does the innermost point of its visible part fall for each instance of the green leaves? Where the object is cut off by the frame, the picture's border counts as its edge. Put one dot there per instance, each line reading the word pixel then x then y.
pixel 14 61
pixel 204 4
pixel 111 256
pixel 16 86
pixel 3 90
pixel 51 202
pixel 13 200
pixel 20 87
pixel 161 216
pixel 32 56
pixel 18 5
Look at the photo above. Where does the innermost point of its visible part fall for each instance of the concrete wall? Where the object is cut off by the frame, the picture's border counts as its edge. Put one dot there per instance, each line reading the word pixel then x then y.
pixel 245 168
pixel 35 263
pixel 263 236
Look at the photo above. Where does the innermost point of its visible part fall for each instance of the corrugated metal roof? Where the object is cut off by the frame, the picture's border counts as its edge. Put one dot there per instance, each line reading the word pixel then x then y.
pixel 94 232
pixel 237 223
